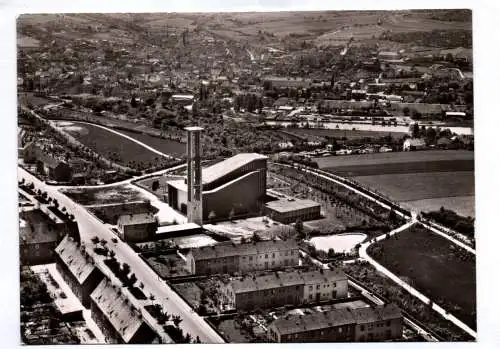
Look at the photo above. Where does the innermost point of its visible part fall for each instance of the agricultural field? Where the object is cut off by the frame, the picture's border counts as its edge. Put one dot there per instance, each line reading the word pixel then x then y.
pixel 424 260
pixel 337 133
pixel 462 205
pixel 421 181
pixel 110 145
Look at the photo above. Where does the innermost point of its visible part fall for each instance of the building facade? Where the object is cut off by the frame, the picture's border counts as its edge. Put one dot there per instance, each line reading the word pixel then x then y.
pixel 284 288
pixel 235 186
pixel 289 211
pixel 137 227
pixel 230 258
pixel 379 323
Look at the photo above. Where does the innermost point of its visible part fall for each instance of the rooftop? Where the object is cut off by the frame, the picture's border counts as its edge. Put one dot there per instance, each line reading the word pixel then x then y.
pixel 283 279
pixel 230 249
pixel 80 265
pixel 117 309
pixel 138 218
pixel 222 168
pixel 177 227
pixel 286 205
pixel 37 227
pixel 337 317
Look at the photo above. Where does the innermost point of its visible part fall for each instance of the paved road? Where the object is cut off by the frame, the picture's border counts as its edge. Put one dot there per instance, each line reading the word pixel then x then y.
pixel 90 226
pixel 363 254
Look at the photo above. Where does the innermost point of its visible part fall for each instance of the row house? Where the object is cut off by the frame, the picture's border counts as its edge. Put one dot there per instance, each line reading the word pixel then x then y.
pixel 284 288
pixel 230 258
pixel 380 323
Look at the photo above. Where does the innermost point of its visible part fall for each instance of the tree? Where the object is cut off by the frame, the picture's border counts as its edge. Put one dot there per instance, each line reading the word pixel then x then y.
pixel 331 253
pixel 256 237
pixel 155 185
pixel 132 279
pixel 415 132
pixel 211 216
pixel 95 240
pixel 299 226
pixel 125 268
pixel 112 254
pixel 177 320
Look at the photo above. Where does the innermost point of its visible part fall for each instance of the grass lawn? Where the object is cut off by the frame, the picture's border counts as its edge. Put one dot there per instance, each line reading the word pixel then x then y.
pixel 419 186
pixel 233 333
pixel 166 146
pixel 434 266
pixel 111 145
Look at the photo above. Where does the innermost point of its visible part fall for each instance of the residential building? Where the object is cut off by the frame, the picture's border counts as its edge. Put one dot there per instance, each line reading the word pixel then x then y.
pixel 379 323
pixel 236 185
pixel 78 269
pixel 119 320
pixel 289 210
pixel 230 258
pixel 284 288
pixel 413 144
pixel 136 227
pixel 39 235
pixel 55 169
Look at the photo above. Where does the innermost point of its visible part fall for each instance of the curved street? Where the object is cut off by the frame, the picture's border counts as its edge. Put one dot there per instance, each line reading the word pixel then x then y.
pixel 364 255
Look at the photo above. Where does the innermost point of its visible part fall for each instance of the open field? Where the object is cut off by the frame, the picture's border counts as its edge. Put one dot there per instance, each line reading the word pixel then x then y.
pixel 404 168
pixel 337 133
pixel 110 145
pixel 419 186
pixel 382 159
pixel 420 180
pixel 425 260
pixel 102 196
pixel 166 146
pixel 462 205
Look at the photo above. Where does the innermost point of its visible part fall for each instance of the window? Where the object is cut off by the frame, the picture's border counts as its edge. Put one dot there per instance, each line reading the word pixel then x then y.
pixel 362 327
pixel 250 258
pixel 310 287
pixel 286 253
pixel 340 329
pixel 318 287
pixel 388 323
pixel 334 284
pixel 37 246
pixel 244 257
pixel 311 296
pixel 273 255
pixel 267 256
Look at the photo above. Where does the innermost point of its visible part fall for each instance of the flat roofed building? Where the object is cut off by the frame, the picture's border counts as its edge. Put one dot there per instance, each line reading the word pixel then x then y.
pixel 230 258
pixel 379 323
pixel 236 185
pixel 285 288
pixel 120 322
pixel 137 227
pixel 289 210
pixel 78 269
